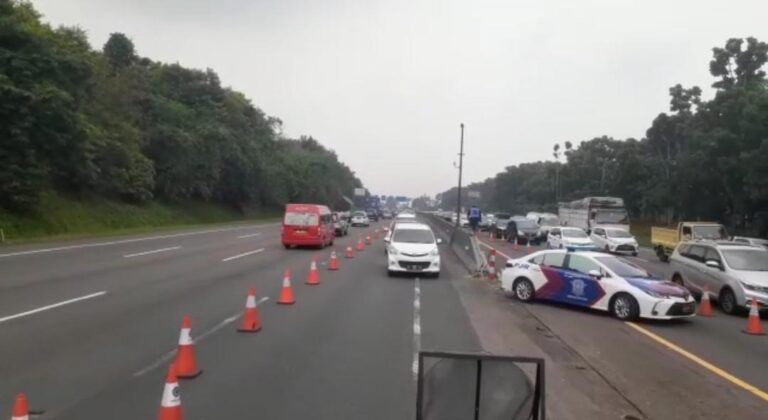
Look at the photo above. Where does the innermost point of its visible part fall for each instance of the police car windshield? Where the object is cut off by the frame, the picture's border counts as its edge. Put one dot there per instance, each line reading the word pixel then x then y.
pixel 413 236
pixel 622 268
pixel 574 233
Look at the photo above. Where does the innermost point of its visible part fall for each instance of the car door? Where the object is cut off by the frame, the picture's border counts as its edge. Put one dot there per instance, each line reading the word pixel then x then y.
pixel 712 277
pixel 552 285
pixel 693 271
pixel 581 288
pixel 554 238
pixel 598 237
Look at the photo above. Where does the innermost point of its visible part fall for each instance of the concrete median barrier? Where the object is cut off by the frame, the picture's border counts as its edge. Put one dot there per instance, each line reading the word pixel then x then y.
pixel 462 242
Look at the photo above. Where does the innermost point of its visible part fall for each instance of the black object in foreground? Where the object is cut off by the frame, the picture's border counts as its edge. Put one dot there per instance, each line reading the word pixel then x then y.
pixel 462 386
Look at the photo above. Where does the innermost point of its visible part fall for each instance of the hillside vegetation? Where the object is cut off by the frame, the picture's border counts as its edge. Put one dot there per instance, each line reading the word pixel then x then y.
pixel 109 126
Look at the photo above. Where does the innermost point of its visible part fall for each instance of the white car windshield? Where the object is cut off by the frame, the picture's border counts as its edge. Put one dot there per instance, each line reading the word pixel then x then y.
pixel 618 233
pixel 359 214
pixel 622 268
pixel 414 236
pixel 709 232
pixel 300 219
pixel 574 233
pixel 747 259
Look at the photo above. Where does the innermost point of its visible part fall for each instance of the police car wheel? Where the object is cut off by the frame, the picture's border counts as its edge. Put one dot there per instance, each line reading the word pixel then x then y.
pixel 523 289
pixel 625 307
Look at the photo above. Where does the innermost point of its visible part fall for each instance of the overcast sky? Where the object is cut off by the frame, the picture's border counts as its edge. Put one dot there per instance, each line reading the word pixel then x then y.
pixel 386 83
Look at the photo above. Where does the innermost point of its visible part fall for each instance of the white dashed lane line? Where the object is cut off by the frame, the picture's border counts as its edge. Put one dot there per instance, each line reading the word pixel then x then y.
pixel 154 251
pixel 244 254
pixel 52 306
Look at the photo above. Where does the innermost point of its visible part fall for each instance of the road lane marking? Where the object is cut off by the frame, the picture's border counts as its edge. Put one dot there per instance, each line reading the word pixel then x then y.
pixel 52 306
pixel 244 254
pixel 167 356
pixel 154 251
pixel 128 241
pixel 701 362
pixel 416 328
pixel 249 235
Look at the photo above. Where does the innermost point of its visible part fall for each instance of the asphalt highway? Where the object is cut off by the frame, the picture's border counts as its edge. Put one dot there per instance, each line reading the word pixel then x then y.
pixel 88 328
pixel 344 350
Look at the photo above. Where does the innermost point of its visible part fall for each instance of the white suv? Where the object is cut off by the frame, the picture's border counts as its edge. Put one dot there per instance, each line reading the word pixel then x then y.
pixel 412 248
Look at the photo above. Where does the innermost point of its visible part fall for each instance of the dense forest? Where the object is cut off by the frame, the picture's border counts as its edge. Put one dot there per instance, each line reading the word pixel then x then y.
pixel 110 123
pixel 700 160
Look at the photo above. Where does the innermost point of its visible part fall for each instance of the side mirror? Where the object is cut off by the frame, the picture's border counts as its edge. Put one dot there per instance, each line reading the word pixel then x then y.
pixel 595 274
pixel 714 264
pixel 439 241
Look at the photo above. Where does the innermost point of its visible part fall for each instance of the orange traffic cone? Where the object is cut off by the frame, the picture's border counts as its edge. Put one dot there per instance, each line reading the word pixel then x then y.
pixel 528 247
pixel 251 319
pixel 368 240
pixel 186 364
pixel 313 279
pixel 515 245
pixel 286 292
pixel 350 253
pixel 333 263
pixel 753 322
pixel 360 244
pixel 376 234
pixel 20 410
pixel 492 264
pixel 705 306
pixel 170 405
pixel 491 236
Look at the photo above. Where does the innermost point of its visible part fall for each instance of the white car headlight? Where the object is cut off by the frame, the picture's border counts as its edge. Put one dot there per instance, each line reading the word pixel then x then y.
pixel 434 252
pixel 749 286
pixel 655 294
pixel 392 250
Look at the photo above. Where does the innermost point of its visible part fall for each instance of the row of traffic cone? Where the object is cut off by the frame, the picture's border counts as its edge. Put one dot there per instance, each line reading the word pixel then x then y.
pixel 184 365
pixel 754 327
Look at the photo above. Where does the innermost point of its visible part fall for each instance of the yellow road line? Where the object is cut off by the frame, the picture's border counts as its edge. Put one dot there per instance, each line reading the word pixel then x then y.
pixel 701 362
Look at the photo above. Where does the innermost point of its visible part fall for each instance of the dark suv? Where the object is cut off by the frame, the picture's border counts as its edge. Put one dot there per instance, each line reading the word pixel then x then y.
pixel 373 214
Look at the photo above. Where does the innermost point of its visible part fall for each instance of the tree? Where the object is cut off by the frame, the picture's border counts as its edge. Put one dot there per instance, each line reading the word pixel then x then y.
pixel 737 66
pixel 119 51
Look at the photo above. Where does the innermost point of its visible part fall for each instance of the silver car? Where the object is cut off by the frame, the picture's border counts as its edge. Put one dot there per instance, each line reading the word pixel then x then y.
pixel 732 273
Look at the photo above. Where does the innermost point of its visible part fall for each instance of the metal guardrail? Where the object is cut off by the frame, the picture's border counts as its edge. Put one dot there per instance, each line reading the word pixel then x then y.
pixel 462 241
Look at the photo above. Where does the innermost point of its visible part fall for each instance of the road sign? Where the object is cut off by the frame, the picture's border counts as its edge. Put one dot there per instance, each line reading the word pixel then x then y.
pixel 473 194
pixel 359 192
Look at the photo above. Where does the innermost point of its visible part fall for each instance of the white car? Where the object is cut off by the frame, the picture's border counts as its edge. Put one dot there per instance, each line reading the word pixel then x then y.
pixel 569 237
pixel 359 218
pixel 751 241
pixel 412 248
pixel 598 281
pixel 616 240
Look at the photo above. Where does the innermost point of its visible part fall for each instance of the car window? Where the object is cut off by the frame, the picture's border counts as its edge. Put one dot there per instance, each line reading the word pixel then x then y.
pixel 582 264
pixel 537 260
pixel 413 236
pixel 599 231
pixel 742 240
pixel 712 254
pixel 554 260
pixel 696 253
pixel 683 249
pixel 300 219
pixel 555 231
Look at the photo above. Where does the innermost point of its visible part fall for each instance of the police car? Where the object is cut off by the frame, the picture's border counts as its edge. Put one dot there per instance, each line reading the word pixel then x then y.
pixel 596 280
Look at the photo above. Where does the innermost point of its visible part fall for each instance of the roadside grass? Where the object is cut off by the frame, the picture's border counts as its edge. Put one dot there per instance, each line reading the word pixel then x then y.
pixel 59 217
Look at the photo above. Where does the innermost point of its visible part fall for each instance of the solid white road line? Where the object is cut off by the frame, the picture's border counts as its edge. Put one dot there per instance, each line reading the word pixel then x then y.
pixel 170 354
pixel 244 254
pixel 154 251
pixel 249 236
pixel 416 328
pixel 55 305
pixel 128 241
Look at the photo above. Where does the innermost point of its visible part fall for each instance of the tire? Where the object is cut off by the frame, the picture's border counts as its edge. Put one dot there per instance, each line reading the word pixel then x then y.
pixel 286 246
pixel 436 275
pixel 607 250
pixel 727 301
pixel 523 289
pixel 390 273
pixel 663 257
pixel 625 307
pixel 634 254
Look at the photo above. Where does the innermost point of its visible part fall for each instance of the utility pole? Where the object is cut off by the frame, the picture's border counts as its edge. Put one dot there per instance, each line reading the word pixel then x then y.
pixel 461 166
